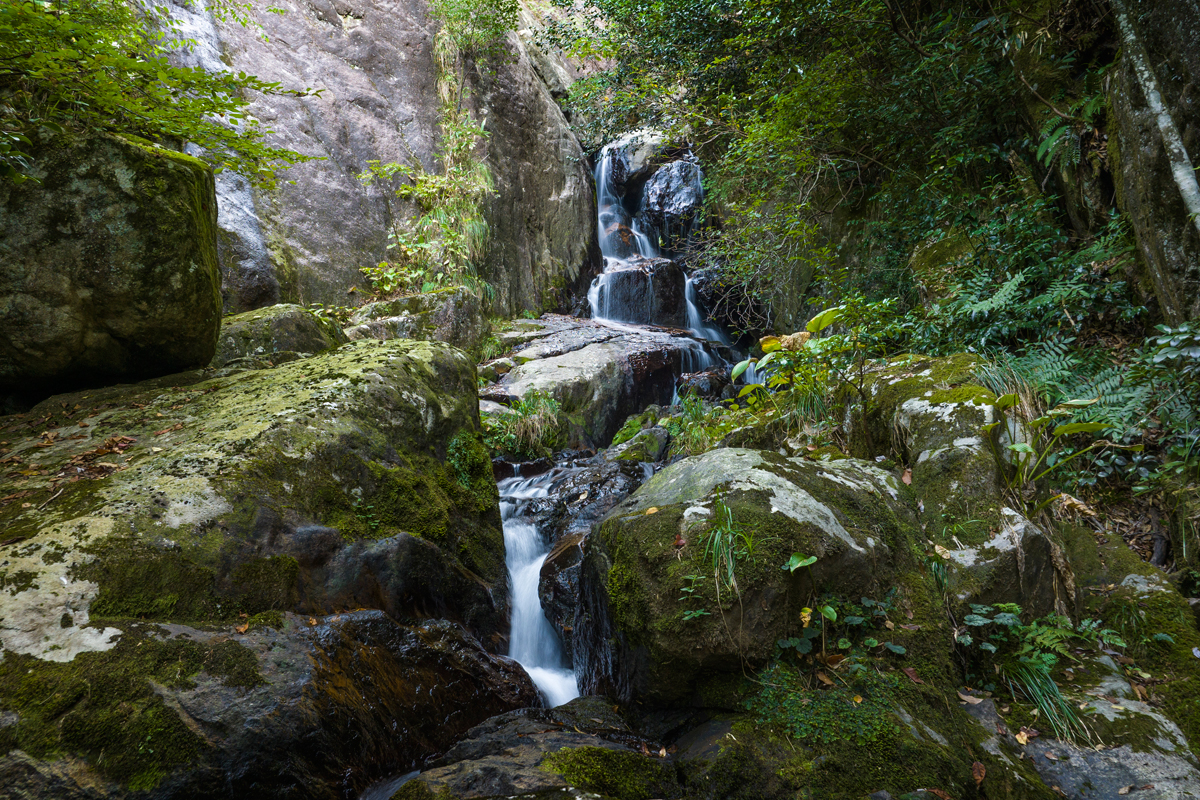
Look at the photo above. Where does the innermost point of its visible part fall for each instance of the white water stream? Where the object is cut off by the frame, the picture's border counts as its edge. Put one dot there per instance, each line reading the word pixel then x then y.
pixel 533 642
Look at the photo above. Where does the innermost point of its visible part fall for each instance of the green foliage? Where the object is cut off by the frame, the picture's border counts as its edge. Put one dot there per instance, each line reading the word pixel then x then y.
pixel 76 66
pixel 478 28
pixel 786 701
pixel 725 545
pixel 534 427
pixel 1025 656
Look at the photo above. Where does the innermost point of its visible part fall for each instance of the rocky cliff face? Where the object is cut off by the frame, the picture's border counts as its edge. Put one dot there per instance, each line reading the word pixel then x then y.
pixel 1168 238
pixel 372 61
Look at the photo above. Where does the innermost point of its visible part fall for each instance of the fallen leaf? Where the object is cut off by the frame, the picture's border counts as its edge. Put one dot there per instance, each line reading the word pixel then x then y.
pixel 679 540
pixel 966 698
pixel 978 772
pixel 891 626
pixel 1022 737
pixel 583 496
pixel 1000 729
pixel 242 628
pixel 907 477
pixel 1137 688
pixel 825 679
pixel 1125 789
pixel 83 424
pixel 911 627
pixel 858 698
pixel 312 620
pixel 1051 757
pixel 940 794
pixel 941 551
pixel 651 510
pixel 912 674
pixel 645 750
pixel 156 449
pixel 662 753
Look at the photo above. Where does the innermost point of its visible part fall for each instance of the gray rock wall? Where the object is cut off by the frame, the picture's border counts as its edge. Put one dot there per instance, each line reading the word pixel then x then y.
pixel 372 61
pixel 1168 241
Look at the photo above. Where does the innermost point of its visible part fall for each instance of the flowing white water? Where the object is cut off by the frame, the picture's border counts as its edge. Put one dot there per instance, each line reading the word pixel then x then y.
pixel 533 642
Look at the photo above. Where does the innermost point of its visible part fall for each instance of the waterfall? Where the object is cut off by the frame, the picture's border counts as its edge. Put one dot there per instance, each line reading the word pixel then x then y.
pixel 695 319
pixel 533 642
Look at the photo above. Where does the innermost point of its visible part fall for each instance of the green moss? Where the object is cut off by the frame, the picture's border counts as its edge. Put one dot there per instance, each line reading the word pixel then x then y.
pixel 266 619
pixel 418 789
pixel 469 463
pixel 625 601
pixel 16 582
pixel 102 706
pixel 614 773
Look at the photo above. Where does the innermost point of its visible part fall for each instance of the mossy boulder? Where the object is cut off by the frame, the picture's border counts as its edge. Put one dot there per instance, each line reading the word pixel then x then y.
pixel 928 413
pixel 453 315
pixel 640 589
pixel 312 708
pixel 274 334
pixel 109 267
pixel 354 478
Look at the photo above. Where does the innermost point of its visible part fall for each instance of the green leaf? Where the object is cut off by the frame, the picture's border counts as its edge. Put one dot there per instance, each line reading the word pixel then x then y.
pixel 869 642
pixel 823 320
pixel 975 621
pixel 1080 427
pixel 799 560
pixel 1006 401
pixel 741 367
pixel 1021 447
pixel 898 649
pixel 828 612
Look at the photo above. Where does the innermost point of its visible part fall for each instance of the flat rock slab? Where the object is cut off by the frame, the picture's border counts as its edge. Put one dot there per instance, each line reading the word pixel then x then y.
pixel 600 372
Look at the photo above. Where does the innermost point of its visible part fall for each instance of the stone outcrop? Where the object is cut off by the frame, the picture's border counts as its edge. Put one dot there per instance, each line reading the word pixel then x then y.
pixel 599 373
pixel 275 334
pixel 280 707
pixel 454 316
pixel 373 61
pixel 644 291
pixel 108 268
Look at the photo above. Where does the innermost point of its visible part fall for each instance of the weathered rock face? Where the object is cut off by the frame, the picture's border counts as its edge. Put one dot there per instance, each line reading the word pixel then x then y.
pixel 108 267
pixel 645 291
pixel 454 316
pixel 671 199
pixel 275 334
pixel 601 374
pixel 848 514
pixel 374 62
pixel 292 708
pixel 1168 240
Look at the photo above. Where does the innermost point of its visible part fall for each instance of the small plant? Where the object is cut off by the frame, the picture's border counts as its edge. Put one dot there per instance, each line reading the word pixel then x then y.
pixel 533 427
pixel 690 593
pixel 724 545
pixel 338 315
pixel 1025 656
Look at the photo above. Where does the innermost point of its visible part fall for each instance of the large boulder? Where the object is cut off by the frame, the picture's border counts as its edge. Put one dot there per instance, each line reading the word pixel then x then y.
pixel 108 266
pixel 306 238
pixel 287 707
pixel 275 333
pixel 453 315
pixel 643 639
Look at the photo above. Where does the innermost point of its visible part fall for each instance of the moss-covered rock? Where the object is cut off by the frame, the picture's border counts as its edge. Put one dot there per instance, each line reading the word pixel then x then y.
pixel 109 267
pixel 267 334
pixel 646 571
pixel 928 414
pixel 309 709
pixel 354 478
pixel 453 315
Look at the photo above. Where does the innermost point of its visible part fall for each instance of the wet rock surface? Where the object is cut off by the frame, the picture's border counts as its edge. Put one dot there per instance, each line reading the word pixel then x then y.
pixel 108 267
pixel 602 373
pixel 671 199
pixel 646 291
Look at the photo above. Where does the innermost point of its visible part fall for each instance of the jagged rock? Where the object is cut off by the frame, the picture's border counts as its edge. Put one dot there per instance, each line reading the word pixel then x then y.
pixel 598 373
pixel 635 156
pixel 671 199
pixel 647 291
pixel 648 446
pixel 267 334
pixel 848 514
pixel 453 315
pixel 289 707
pixel 108 267
pixel 709 384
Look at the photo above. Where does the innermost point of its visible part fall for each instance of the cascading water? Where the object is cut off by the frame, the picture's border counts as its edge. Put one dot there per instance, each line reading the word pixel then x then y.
pixel 533 642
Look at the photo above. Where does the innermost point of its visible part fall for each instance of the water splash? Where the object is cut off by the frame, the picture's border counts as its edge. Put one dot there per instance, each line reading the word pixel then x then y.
pixel 533 643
